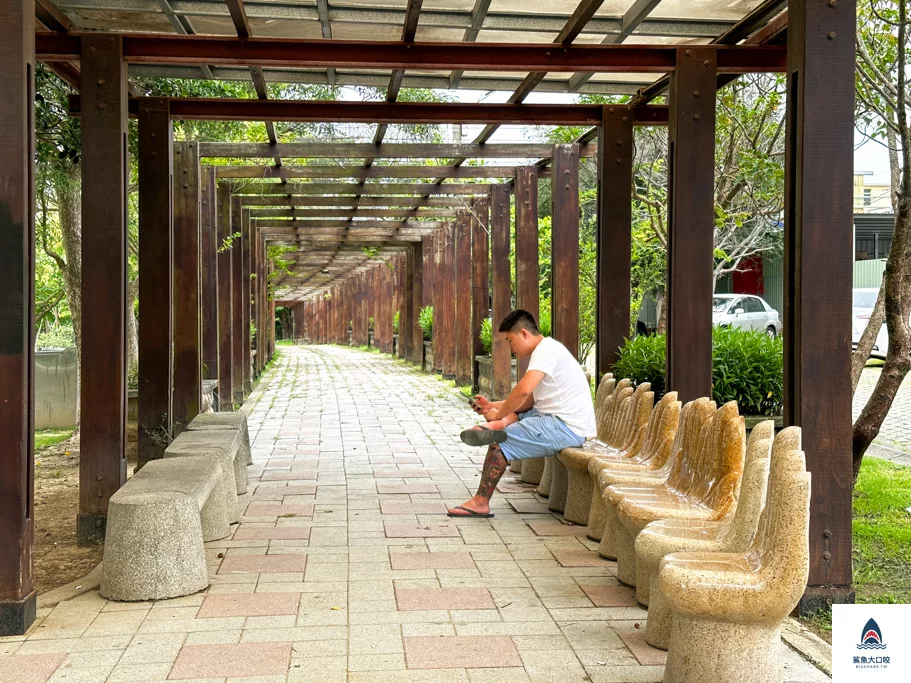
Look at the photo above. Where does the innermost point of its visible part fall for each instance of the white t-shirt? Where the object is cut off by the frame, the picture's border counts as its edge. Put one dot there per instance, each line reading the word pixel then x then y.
pixel 563 391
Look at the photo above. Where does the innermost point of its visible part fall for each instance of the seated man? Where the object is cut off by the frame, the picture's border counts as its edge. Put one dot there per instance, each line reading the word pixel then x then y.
pixel 548 410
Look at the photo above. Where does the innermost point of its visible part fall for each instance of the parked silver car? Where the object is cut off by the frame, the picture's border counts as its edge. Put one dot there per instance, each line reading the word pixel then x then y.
pixel 745 311
pixel 864 301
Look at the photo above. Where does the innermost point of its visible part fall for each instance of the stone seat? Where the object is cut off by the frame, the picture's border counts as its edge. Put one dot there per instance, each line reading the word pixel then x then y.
pixel 533 470
pixel 627 436
pixel 674 535
pixel 652 450
pixel 707 488
pixel 226 420
pixel 157 523
pixel 614 483
pixel 727 607
pixel 223 445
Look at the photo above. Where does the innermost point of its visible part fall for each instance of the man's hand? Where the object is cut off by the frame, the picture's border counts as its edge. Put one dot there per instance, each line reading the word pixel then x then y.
pixel 492 415
pixel 480 404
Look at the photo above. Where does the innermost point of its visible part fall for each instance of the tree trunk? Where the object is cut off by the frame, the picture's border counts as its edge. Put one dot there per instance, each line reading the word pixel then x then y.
pixel 68 188
pixel 132 333
pixel 660 311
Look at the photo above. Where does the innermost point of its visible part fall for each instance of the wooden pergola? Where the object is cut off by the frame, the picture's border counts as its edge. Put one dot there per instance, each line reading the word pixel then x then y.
pixel 432 223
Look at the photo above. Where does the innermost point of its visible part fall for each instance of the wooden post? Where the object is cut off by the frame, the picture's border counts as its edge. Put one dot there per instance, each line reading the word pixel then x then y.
pixel 527 246
pixel 615 177
pixel 237 299
pixel 480 280
pixel 427 248
pixel 17 295
pixel 208 253
pixel 818 256
pixel 417 298
pixel 691 214
pixel 447 303
pixel 406 317
pixel 438 323
pixel 187 323
pixel 103 391
pixel 256 296
pixel 564 296
pixel 462 338
pixel 502 290
pixel 225 304
pixel 156 239
pixel 246 301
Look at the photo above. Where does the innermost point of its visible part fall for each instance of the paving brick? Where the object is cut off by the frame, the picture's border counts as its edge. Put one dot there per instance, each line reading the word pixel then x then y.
pixel 610 596
pixel 397 508
pixel 581 558
pixel 457 652
pixel 246 532
pixel 262 564
pixel 554 528
pixel 275 510
pixel 420 531
pixel 435 560
pixel 36 668
pixel 415 599
pixel 235 660
pixel 249 605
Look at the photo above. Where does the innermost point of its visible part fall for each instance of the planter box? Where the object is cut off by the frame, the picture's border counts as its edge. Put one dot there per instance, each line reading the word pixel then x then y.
pixel 485 375
pixel 427 364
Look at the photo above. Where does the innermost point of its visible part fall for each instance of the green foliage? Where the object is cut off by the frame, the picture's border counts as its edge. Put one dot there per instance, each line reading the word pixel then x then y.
pixel 746 367
pixel 395 322
pixel 425 320
pixel 487 335
pixel 49 437
pixel 544 318
pixel 56 337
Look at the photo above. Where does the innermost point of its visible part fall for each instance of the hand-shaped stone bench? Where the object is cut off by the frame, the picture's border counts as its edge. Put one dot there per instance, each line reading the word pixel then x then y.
pixel 709 493
pixel 646 454
pixel 675 535
pixel 621 390
pixel 630 436
pixel 157 523
pixel 614 483
pixel 727 608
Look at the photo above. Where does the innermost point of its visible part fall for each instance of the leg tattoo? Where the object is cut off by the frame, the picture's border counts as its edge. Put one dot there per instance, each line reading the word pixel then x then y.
pixel 494 467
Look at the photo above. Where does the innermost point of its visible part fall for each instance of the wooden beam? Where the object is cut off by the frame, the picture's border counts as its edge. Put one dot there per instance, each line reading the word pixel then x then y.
pixel 275 199
pixel 480 279
pixel 326 171
pixel 174 49
pixel 389 150
pixel 17 294
pixel 225 303
pixel 352 214
pixel 156 239
pixel 527 246
pixel 818 257
pixel 691 170
pixel 615 178
pixel 502 289
pixel 352 225
pixel 187 290
pixel 103 376
pixel 565 247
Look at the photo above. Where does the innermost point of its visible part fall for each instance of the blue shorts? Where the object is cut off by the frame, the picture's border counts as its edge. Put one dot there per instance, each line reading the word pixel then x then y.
pixel 536 435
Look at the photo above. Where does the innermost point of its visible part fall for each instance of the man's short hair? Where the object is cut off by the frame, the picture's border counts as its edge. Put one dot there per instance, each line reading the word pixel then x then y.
pixel 519 320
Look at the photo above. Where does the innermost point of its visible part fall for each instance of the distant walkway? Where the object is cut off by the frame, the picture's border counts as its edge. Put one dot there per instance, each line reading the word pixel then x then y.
pixel 345 568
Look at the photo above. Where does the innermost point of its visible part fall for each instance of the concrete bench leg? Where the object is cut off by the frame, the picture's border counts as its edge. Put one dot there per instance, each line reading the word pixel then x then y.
pixel 558 483
pixel 218 512
pixel 596 513
pixel 532 470
pixel 608 547
pixel 658 626
pixel 625 550
pixel 578 495
pixel 240 472
pixel 515 466
pixel 153 548
pixel 546 477
pixel 707 650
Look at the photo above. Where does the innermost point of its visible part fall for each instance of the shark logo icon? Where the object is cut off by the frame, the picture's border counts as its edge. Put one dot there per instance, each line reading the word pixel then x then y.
pixel 872 637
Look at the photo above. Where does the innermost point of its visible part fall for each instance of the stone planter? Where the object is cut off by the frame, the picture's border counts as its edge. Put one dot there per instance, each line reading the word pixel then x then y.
pixel 427 364
pixel 485 375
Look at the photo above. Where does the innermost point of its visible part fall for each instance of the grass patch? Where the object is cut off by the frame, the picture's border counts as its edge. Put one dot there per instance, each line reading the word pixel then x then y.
pixel 466 391
pixel 285 342
pixel 49 437
pixel 882 533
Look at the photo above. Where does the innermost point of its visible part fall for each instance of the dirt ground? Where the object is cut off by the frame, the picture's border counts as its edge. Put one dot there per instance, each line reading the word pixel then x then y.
pixel 57 558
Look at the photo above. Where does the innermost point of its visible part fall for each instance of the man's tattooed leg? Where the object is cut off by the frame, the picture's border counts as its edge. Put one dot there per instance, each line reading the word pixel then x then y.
pixel 494 467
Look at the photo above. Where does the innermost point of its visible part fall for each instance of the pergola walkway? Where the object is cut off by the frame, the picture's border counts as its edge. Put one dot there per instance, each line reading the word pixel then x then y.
pixel 345 568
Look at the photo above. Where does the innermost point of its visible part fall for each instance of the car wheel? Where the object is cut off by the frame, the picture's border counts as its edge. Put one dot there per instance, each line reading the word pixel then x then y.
pixel 770 331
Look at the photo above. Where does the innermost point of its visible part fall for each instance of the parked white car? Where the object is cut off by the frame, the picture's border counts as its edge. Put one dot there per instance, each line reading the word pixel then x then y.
pixel 745 311
pixel 864 301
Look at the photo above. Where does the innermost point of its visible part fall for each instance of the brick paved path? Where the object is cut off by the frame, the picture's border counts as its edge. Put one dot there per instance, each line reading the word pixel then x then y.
pixel 345 568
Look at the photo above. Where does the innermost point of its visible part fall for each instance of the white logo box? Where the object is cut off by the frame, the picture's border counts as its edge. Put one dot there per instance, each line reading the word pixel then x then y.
pixel 877 651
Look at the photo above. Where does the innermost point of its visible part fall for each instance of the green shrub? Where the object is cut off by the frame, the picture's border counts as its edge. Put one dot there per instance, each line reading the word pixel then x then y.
pixel 425 320
pixel 487 335
pixel 56 337
pixel 395 323
pixel 544 318
pixel 746 367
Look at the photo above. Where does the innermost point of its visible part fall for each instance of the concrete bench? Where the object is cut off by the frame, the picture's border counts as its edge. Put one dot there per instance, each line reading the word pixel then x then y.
pixel 668 536
pixel 218 421
pixel 727 608
pixel 157 523
pixel 707 491
pixel 223 445
pixel 649 454
pixel 630 436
